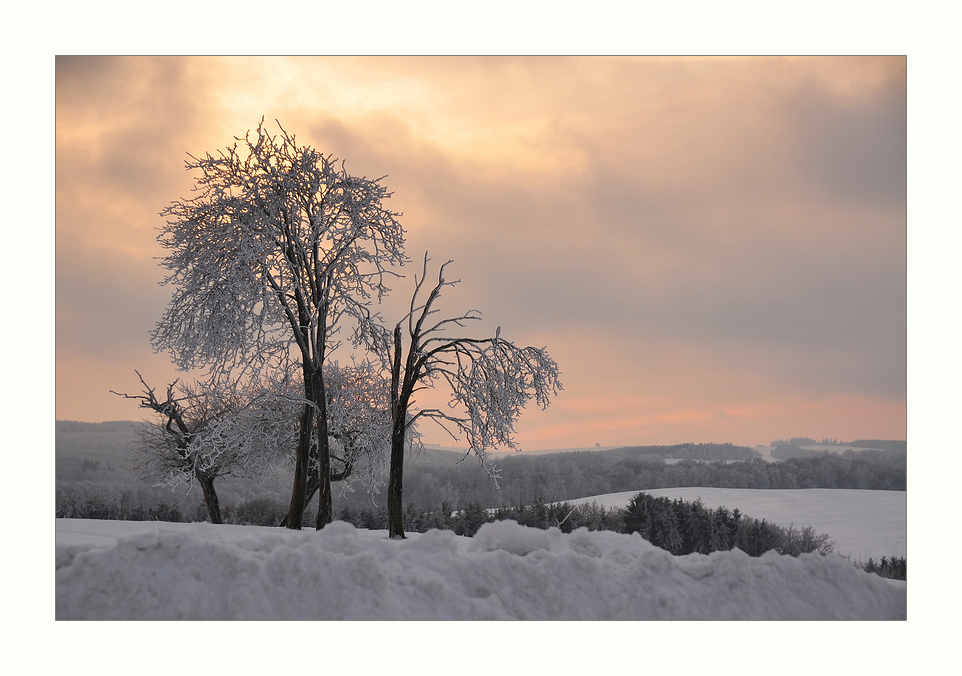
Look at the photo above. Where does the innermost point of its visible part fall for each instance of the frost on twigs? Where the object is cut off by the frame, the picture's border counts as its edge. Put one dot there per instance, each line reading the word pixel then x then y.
pixel 211 429
pixel 277 246
pixel 277 249
pixel 490 380
pixel 359 423
pixel 235 431
pixel 225 428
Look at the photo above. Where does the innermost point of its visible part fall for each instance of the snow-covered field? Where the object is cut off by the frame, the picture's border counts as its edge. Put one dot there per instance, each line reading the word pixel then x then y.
pixel 864 524
pixel 138 570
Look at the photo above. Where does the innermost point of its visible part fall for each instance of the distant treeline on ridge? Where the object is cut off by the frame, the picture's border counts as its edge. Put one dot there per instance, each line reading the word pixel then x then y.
pixel 95 478
pixel 691 451
pixel 558 477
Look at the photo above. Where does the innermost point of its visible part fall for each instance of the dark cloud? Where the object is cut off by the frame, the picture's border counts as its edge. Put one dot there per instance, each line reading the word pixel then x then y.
pixel 853 149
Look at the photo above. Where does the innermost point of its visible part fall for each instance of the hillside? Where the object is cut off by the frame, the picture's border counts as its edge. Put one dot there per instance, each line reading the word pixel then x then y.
pixel 84 449
pixel 96 477
pixel 802 447
pixel 705 452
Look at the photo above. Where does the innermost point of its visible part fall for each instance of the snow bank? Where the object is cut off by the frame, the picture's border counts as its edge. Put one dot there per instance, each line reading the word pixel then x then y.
pixel 507 571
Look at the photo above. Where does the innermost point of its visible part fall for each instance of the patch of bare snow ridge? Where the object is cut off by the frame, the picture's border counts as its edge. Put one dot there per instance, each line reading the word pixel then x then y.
pixel 507 571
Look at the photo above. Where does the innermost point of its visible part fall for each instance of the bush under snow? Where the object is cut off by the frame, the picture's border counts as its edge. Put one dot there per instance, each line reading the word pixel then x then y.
pixel 507 571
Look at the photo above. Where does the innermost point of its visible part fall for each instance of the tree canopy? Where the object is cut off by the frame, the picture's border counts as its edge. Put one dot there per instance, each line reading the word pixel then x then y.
pixel 278 247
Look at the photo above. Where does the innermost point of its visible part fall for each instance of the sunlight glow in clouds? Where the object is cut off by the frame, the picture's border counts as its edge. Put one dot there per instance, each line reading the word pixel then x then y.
pixel 712 249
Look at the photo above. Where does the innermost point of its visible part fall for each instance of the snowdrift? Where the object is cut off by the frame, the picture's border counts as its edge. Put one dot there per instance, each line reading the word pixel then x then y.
pixel 507 571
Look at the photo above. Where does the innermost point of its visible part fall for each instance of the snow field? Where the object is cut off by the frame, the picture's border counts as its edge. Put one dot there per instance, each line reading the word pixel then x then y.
pixel 507 571
pixel 863 524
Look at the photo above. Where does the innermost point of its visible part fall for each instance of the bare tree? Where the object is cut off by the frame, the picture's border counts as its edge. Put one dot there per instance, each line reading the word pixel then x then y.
pixel 490 381
pixel 278 248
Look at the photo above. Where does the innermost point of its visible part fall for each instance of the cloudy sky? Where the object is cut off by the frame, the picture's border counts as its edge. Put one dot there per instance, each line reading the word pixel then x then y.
pixel 712 249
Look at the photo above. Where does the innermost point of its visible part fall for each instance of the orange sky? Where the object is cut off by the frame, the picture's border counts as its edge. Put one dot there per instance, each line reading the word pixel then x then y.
pixel 713 249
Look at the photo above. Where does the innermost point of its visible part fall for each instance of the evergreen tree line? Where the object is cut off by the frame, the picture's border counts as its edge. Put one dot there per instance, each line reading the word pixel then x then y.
pixel 68 507
pixel 798 441
pixel 677 526
pixel 882 444
pixel 682 527
pixel 892 568
pixel 689 451
pixel 116 501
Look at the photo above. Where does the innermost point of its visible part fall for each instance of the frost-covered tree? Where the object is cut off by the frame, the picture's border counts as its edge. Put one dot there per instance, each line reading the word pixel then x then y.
pixel 359 428
pixel 359 412
pixel 208 430
pixel 278 248
pixel 490 380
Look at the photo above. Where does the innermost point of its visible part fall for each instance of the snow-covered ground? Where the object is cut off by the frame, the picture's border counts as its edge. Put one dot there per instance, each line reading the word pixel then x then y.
pixel 137 570
pixel 864 524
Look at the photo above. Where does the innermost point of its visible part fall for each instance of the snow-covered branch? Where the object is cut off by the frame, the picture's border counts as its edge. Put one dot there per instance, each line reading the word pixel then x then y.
pixel 277 249
pixel 490 380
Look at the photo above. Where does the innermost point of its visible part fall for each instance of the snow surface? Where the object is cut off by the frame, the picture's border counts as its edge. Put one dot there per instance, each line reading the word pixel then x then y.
pixel 864 524
pixel 149 570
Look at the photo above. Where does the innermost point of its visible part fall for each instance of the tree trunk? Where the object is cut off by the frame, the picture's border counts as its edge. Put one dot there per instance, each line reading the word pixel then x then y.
pixel 325 505
pixel 313 482
pixel 210 496
pixel 399 401
pixel 295 513
pixel 395 503
pixel 309 490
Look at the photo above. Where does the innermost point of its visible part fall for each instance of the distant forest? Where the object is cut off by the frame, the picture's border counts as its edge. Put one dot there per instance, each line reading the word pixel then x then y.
pixel 800 447
pixel 568 476
pixel 877 444
pixel 95 477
